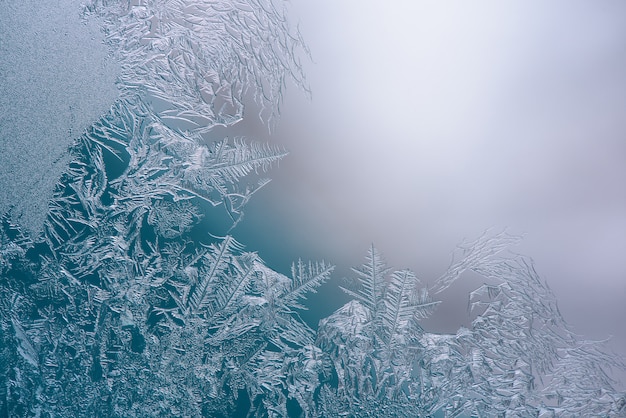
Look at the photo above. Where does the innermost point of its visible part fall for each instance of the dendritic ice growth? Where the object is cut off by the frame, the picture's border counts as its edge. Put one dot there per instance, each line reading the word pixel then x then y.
pixel 136 300
pixel 196 62
pixel 518 358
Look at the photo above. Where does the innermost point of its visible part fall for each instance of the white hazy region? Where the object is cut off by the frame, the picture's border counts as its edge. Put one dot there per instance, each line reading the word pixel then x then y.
pixel 432 121
pixel 56 79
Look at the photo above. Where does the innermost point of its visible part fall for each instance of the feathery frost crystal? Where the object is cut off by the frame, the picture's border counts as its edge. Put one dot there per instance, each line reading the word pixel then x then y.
pixel 136 301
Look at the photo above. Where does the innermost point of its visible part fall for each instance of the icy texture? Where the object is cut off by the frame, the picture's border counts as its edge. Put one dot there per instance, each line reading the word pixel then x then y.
pixel 136 301
pixel 517 359
pixel 196 61
pixel 56 79
pixel 184 328
pixel 126 307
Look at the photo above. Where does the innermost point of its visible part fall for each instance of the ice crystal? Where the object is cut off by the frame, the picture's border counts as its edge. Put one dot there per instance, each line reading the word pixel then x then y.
pixel 132 303
pixel 196 61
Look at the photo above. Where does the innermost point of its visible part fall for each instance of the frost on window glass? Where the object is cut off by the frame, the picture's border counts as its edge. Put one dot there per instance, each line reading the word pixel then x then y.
pixel 133 302
pixel 56 79
pixel 197 62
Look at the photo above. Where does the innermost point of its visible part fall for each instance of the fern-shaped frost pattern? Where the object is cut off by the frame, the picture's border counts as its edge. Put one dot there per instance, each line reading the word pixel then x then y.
pixel 130 305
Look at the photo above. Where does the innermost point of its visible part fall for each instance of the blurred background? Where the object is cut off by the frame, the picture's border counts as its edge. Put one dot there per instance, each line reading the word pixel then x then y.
pixel 431 122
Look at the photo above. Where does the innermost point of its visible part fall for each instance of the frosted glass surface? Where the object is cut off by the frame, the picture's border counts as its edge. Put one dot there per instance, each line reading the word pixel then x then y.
pixel 56 78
